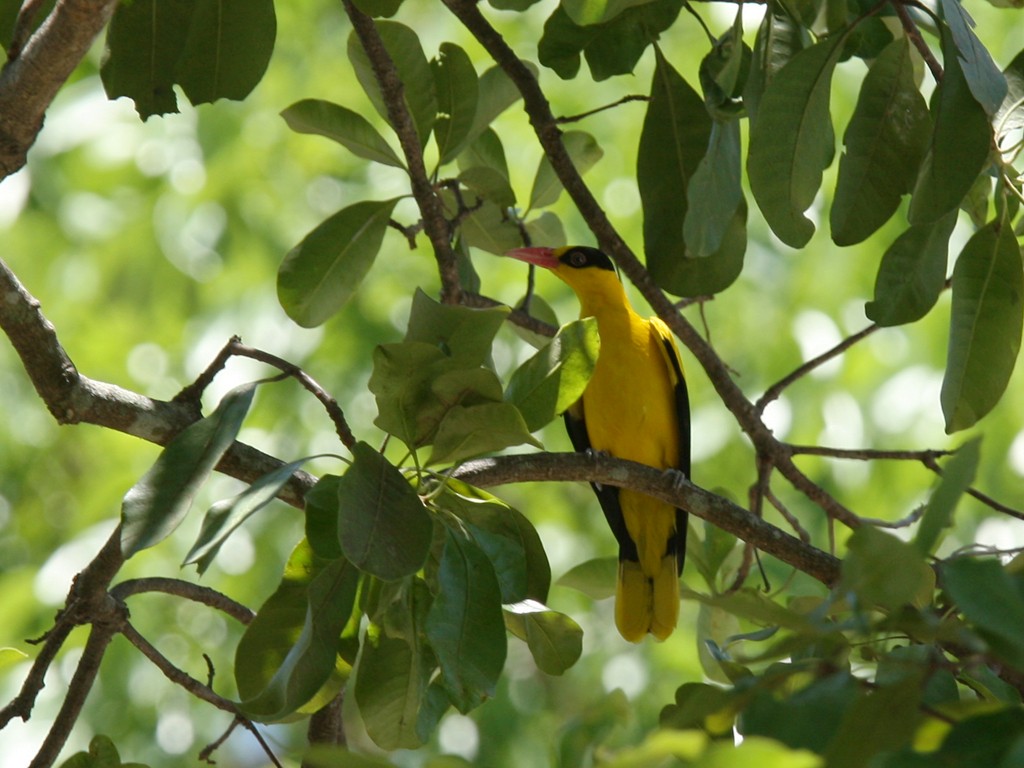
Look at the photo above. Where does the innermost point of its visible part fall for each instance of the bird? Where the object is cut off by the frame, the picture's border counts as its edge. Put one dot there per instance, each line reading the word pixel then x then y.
pixel 635 407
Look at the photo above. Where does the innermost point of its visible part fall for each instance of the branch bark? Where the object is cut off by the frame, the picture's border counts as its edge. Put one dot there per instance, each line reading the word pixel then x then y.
pixel 668 487
pixel 30 80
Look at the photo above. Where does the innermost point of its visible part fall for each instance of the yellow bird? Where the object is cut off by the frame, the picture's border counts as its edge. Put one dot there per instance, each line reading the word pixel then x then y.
pixel 635 407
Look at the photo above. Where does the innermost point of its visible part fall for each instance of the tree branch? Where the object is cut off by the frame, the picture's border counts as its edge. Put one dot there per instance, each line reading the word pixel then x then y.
pixel 665 486
pixel 393 89
pixel 76 399
pixel 30 80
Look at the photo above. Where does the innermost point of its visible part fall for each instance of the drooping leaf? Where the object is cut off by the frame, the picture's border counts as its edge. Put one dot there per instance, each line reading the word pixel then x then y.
pixel 322 505
pixel 457 94
pixel 489 228
pixel 583 150
pixel 383 527
pixel 778 39
pixel 961 136
pixel 673 140
pixel 884 571
pixel 403 46
pixel 348 128
pixel 555 641
pixel 490 185
pixel 158 502
pixel 544 386
pixel 212 50
pixel 957 477
pixel 467 431
pixel 322 272
pixel 400 382
pixel 506 536
pixel 485 151
pixel 290 650
pixel 885 142
pixel 495 93
pixel 987 83
pixel 891 714
pixel 792 141
pixel 723 72
pixel 464 625
pixel 225 516
pixel 227 50
pixel 612 47
pixel 714 273
pixel 991 600
pixel 912 273
pixel 390 685
pixel 714 192
pixel 985 325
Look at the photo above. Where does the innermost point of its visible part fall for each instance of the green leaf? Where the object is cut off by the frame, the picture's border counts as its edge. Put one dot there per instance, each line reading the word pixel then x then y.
pixel 714 192
pixel 464 625
pixel 102 754
pixel 144 43
pixel 485 151
pixel 723 73
pixel 912 273
pixel 985 325
pixel 544 386
pixel 377 8
pixel 992 601
pixel 594 578
pixel 583 151
pixel 555 641
pixel 673 140
pixel 456 84
pixel 489 184
pixel 792 141
pixel 612 47
pixel 987 83
pixel 332 756
pixel 322 507
pixel 778 39
pixel 158 502
pixel 227 50
pixel 957 477
pixel 9 657
pixel 462 333
pixel 587 12
pixel 225 516
pixel 885 141
pixel 391 681
pixel 401 383
pixel 212 50
pixel 890 714
pixel 489 228
pixel 403 46
pixel 884 571
pixel 807 719
pixel 383 527
pixel 495 93
pixel 506 536
pixel 959 148
pixel 351 130
pixel 699 705
pixel 467 431
pixel 322 272
pixel 290 651
pixel 714 273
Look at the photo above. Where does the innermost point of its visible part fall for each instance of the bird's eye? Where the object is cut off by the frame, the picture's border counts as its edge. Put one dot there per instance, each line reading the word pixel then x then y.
pixel 578 259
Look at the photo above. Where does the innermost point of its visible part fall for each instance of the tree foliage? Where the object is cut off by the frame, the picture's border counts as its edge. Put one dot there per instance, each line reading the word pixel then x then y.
pixel 874 630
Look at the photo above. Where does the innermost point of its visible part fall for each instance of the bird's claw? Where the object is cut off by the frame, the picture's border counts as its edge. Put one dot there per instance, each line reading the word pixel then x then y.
pixel 679 478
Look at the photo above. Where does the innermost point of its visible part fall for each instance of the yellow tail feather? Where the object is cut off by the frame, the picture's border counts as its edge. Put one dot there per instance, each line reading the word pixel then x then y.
pixel 647 604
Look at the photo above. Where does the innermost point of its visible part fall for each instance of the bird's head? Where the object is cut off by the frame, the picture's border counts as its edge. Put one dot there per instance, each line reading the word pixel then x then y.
pixel 586 270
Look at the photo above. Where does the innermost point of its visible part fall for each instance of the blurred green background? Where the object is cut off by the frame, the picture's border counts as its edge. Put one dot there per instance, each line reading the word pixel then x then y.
pixel 150 244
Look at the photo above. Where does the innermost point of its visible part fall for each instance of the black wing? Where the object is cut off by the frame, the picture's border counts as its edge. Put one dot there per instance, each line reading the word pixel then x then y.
pixel 682 397
pixel 607 495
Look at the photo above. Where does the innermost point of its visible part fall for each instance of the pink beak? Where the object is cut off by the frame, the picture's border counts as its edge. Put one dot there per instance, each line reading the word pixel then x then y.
pixel 542 257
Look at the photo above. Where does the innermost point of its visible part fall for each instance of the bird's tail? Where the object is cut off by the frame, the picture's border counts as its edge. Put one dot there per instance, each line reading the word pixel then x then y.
pixel 647 603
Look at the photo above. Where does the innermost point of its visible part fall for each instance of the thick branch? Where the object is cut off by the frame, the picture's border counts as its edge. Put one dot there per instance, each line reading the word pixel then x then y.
pixel 73 398
pixel 668 487
pixel 29 82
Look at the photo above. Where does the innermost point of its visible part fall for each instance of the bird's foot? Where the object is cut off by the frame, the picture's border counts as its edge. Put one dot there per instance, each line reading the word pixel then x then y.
pixel 678 477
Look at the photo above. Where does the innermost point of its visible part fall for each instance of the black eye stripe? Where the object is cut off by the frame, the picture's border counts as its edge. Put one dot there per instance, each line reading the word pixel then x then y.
pixel 580 257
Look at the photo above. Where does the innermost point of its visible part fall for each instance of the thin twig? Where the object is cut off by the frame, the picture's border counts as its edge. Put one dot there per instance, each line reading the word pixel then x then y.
pixel 776 389
pixel 589 113
pixel 914 35
pixel 186 589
